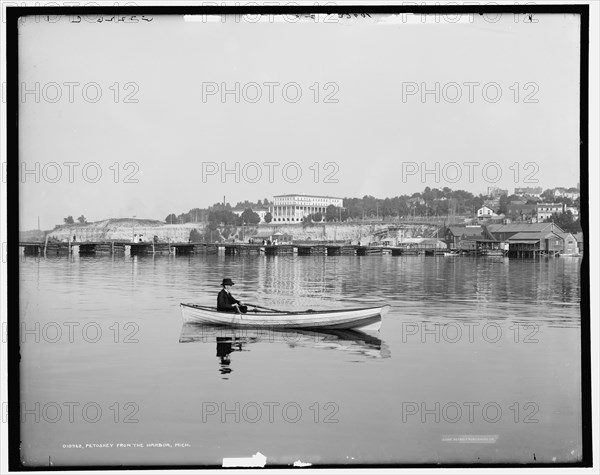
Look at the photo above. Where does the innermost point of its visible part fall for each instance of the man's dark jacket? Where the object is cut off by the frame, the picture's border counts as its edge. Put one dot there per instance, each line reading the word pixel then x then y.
pixel 225 301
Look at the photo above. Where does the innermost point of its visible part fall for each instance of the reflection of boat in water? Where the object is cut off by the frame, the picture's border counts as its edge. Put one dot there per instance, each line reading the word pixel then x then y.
pixel 229 340
pixel 570 254
pixel 353 318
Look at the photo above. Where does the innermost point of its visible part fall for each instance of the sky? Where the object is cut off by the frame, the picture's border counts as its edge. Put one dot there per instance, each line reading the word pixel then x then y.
pixel 129 119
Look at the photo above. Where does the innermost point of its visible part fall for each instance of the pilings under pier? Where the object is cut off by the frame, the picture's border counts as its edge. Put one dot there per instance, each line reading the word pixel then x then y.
pixel 53 248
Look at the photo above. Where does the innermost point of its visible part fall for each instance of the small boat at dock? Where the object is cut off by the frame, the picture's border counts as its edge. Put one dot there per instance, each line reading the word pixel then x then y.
pixel 364 319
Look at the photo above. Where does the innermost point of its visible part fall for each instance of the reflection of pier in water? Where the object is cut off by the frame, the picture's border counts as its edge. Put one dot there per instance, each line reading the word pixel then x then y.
pixel 230 340
pixel 306 284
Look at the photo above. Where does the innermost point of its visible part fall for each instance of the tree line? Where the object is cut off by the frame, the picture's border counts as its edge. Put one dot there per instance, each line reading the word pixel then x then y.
pixel 70 220
pixel 432 202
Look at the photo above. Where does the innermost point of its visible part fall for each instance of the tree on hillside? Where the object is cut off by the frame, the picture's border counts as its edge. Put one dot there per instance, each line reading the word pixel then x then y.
pixel 195 236
pixel 82 219
pixel 547 196
pixel 386 208
pixel 566 222
pixel 171 219
pixel 268 217
pixel 249 217
pixel 244 204
pixel 315 217
pixel 502 204
pixel 331 213
pixel 220 207
pixel 69 220
pixel 196 215
pixel 222 217
pixel 564 199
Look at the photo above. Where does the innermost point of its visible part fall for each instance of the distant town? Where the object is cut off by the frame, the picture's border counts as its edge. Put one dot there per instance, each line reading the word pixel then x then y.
pixel 525 205
pixel 528 222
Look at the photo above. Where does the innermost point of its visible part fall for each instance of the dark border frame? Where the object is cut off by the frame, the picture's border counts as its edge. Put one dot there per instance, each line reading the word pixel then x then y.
pixel 14 13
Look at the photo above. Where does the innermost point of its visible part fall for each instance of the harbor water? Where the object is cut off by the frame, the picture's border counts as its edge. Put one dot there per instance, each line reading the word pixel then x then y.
pixel 478 360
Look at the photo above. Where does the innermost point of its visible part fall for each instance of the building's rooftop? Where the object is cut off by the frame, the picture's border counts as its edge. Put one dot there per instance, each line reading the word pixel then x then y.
pixel 307 196
pixel 468 230
pixel 523 227
pixel 563 234
pixel 529 237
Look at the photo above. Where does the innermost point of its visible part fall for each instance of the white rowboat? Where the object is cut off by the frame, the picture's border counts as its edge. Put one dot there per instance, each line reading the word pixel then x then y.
pixel 368 319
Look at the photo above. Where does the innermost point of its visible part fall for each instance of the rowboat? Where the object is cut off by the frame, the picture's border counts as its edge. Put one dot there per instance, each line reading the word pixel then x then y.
pixel 364 319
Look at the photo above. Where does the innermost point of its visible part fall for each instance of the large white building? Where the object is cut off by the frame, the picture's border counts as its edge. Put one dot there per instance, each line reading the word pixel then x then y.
pixel 292 208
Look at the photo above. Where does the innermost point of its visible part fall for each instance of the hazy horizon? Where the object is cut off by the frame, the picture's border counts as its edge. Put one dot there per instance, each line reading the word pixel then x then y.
pixel 164 115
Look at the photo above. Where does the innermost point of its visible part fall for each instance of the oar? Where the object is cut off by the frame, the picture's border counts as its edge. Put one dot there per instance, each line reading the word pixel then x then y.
pixel 265 308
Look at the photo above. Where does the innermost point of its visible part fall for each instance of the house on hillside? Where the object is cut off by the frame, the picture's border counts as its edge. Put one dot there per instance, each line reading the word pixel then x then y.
pixel 495 192
pixel 572 193
pixel 493 204
pixel 574 211
pixel 546 210
pixel 485 212
pixel 520 211
pixel 535 192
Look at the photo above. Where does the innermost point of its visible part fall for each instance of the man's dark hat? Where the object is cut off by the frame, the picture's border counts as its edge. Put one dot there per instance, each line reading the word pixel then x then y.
pixel 227 282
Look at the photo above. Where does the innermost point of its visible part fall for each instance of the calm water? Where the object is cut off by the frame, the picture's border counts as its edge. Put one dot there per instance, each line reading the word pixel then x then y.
pixel 478 360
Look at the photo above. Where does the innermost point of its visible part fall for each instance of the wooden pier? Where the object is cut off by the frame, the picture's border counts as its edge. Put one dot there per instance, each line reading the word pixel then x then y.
pixel 316 248
pixel 53 248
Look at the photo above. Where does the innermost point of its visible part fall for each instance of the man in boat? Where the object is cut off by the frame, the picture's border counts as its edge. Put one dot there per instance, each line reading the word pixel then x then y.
pixel 227 302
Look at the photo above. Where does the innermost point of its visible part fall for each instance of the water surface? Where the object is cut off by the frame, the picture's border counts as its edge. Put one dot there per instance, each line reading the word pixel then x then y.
pixel 478 360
